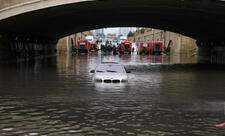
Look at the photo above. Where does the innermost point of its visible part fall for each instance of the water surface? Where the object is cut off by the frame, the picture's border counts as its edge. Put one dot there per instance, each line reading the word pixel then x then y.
pixel 165 96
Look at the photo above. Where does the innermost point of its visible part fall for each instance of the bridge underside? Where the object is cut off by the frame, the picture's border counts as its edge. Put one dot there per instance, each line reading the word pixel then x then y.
pixel 37 31
pixel 200 19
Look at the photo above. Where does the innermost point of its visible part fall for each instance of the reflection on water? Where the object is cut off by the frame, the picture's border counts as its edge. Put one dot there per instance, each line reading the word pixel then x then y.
pixel 110 87
pixel 57 96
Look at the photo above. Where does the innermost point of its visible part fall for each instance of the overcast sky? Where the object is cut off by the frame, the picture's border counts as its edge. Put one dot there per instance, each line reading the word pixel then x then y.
pixel 111 30
pixel 115 30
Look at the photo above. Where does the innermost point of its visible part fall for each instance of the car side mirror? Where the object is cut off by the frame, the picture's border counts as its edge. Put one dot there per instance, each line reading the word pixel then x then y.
pixel 92 71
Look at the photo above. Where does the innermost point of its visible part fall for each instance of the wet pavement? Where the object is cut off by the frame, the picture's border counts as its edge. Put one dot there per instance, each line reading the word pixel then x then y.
pixel 165 96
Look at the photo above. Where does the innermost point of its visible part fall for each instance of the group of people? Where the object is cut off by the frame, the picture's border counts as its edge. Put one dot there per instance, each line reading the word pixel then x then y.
pixel 109 47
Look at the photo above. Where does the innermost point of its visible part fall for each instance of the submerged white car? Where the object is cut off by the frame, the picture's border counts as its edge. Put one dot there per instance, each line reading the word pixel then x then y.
pixel 110 73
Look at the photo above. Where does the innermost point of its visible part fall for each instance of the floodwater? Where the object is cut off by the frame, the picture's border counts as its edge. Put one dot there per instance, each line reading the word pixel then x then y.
pixel 165 96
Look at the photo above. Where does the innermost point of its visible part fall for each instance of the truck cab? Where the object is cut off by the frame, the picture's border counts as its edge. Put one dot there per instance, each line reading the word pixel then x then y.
pixel 158 47
pixel 93 46
pixel 142 48
pixel 122 39
pixel 82 46
pixel 89 38
pixel 126 47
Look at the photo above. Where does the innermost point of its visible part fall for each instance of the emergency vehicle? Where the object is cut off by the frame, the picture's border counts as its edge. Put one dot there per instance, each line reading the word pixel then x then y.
pixel 157 47
pixel 82 46
pixel 142 48
pixel 126 47
pixel 93 46
pixel 150 46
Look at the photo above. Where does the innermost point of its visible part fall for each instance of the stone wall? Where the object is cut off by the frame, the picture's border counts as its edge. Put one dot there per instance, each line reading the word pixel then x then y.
pixel 188 46
pixel 21 47
pixel 62 45
pixel 156 35
pixel 66 44
pixel 179 44
pixel 8 3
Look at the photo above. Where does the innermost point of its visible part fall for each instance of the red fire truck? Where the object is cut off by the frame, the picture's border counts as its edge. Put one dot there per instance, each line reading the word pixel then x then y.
pixel 141 48
pixel 150 47
pixel 126 47
pixel 82 46
pixel 157 47
pixel 93 47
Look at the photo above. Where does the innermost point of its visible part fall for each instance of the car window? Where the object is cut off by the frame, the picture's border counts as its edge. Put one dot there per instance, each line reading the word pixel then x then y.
pixel 110 69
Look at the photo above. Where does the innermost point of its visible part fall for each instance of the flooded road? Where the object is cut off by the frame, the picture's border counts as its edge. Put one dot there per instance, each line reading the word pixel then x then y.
pixel 164 97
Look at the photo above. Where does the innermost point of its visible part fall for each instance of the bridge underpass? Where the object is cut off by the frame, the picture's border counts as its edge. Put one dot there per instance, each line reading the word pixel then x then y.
pixel 44 22
pixel 56 96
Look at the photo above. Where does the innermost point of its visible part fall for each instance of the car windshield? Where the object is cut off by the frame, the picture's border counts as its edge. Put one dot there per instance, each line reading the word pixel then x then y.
pixel 110 69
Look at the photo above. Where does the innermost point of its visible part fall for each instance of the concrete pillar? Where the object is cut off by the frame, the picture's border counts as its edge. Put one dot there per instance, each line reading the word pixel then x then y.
pixel 21 47
pixel 5 51
pixel 211 52
pixel 67 44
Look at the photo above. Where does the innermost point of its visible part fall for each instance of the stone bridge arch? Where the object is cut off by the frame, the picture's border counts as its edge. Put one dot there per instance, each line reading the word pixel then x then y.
pixel 200 19
pixel 49 20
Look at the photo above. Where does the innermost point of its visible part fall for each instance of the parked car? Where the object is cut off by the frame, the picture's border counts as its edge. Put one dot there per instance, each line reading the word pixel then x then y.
pixel 110 73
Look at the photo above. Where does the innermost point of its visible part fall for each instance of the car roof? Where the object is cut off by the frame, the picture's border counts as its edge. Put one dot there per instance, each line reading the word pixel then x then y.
pixel 110 64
